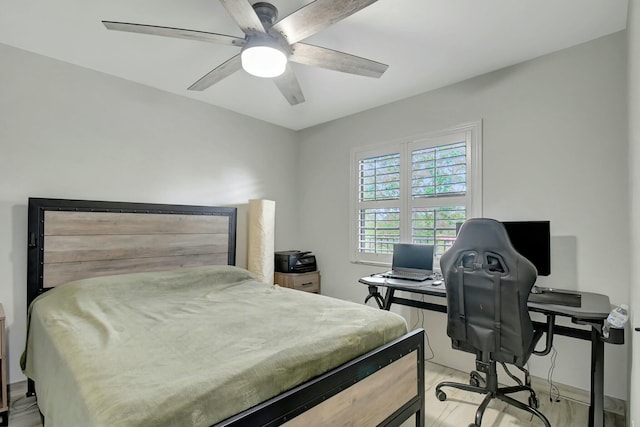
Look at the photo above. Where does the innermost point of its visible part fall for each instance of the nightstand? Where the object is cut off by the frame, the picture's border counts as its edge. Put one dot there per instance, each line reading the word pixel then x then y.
pixel 4 407
pixel 308 282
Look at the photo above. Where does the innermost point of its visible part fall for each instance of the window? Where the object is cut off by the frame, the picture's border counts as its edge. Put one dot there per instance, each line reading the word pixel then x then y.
pixel 415 190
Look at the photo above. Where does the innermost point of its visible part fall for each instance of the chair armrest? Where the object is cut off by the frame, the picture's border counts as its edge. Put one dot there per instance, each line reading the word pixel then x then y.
pixel 551 321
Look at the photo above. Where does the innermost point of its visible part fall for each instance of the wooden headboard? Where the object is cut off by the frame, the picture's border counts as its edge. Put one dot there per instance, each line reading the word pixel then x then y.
pixel 77 239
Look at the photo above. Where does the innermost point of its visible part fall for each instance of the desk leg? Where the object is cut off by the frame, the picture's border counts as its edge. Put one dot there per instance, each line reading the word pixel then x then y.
pixel 388 296
pixel 373 293
pixel 596 409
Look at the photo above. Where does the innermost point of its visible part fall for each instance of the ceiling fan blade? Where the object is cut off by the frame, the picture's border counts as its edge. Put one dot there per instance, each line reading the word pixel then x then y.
pixel 316 16
pixel 220 72
pixel 244 15
pixel 316 56
pixel 179 33
pixel 289 86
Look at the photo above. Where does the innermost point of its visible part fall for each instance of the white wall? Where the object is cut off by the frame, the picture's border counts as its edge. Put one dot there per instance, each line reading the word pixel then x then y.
pixel 633 38
pixel 555 147
pixel 69 132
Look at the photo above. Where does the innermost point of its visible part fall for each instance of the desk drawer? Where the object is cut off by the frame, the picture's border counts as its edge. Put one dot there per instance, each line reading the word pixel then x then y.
pixel 308 282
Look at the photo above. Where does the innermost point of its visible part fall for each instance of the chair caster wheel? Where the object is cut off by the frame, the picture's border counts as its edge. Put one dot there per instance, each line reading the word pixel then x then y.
pixel 534 402
pixel 441 395
pixel 474 381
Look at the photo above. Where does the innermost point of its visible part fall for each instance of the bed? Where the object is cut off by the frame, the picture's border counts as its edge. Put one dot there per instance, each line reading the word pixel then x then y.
pixel 107 280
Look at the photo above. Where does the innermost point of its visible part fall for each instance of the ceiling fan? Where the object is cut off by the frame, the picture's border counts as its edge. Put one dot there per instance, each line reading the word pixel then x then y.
pixel 269 45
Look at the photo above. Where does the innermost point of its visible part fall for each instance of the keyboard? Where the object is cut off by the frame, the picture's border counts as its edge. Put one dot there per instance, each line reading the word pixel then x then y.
pixel 407 275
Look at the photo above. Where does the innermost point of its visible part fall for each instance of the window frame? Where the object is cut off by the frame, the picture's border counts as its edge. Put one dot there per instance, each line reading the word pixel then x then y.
pixel 470 132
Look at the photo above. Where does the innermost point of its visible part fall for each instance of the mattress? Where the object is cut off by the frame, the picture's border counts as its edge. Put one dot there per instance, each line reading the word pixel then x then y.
pixel 185 347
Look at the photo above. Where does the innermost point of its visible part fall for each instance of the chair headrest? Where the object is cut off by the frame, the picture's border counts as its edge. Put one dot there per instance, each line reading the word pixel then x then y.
pixel 483 243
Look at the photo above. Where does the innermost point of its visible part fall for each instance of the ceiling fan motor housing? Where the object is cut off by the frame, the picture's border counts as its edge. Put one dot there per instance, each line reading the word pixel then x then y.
pixel 267 13
pixel 265 53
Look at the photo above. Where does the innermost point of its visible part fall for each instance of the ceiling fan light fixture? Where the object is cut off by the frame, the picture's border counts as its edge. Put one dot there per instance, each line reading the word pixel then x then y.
pixel 263 60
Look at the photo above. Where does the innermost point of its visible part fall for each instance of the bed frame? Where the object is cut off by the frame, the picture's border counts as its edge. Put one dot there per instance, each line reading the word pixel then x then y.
pixel 76 239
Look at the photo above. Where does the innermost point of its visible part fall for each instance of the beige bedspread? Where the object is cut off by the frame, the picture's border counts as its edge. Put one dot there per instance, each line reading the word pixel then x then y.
pixel 185 347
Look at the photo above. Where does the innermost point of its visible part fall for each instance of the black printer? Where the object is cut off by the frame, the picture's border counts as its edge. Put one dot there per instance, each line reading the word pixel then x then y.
pixel 295 262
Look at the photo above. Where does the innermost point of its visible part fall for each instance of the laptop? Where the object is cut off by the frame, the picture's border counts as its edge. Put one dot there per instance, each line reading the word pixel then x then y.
pixel 411 262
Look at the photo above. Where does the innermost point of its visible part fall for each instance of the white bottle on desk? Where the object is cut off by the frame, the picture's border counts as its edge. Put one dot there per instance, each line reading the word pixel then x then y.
pixel 616 319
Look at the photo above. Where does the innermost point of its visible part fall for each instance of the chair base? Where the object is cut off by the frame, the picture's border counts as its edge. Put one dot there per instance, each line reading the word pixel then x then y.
pixel 492 391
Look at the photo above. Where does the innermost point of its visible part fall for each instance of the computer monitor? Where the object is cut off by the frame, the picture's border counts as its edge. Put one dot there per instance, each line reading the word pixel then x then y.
pixel 532 239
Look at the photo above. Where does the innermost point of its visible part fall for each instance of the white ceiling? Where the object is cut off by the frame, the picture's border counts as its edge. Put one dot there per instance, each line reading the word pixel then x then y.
pixel 427 44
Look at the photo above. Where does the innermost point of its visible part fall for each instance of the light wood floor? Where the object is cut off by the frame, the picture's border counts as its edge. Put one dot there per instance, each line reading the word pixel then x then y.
pixel 457 411
pixel 460 407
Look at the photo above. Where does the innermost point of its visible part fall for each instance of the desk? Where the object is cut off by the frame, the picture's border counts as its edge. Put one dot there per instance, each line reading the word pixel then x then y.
pixel 592 312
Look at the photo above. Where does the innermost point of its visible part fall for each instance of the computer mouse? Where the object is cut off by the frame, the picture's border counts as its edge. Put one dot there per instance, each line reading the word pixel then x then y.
pixel 436 283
